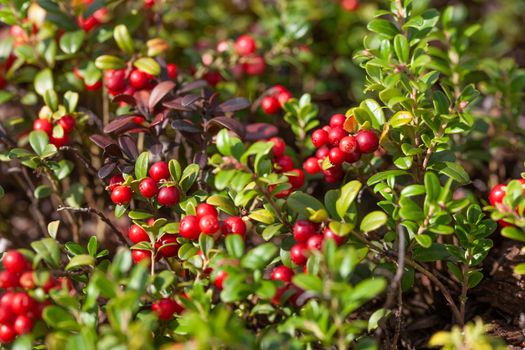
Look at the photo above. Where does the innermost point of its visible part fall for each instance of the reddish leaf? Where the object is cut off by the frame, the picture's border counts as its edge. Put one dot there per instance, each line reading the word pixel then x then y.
pixel 130 100
pixel 234 104
pixel 260 131
pixel 106 170
pixel 229 123
pixel 159 92
pixel 101 140
pixel 185 126
pixel 197 84
pixel 177 105
pixel 128 146
pixel 119 124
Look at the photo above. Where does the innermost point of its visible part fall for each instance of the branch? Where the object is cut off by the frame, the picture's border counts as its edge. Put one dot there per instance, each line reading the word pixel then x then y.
pixel 102 217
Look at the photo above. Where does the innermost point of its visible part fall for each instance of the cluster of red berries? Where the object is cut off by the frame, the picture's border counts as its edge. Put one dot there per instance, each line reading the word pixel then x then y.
pixel 118 81
pixel 306 234
pixel 165 308
pixel 99 17
pixel 149 187
pixel 496 196
pixel 284 164
pixel 251 63
pixel 44 123
pixel 339 146
pixel 207 221
pixel 18 310
pixel 166 246
pixel 275 100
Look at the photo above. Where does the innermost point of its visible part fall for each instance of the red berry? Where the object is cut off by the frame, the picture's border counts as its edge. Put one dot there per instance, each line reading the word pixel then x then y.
pixel 297 180
pixel 319 138
pixel 283 97
pixel 149 3
pixel 137 234
pixel 168 196
pixel 311 165
pixel 348 144
pixel 315 242
pixel 284 163
pixel 7 299
pixel 234 225
pixel 255 65
pixel 27 281
pixel 165 308
pixel 337 120
pixel 172 70
pixel 245 45
pixel 335 135
pixel 298 254
pixel 115 181
pixel 326 128
pixel 167 246
pixel 336 156
pixel 333 174
pixel 14 261
pixel 322 152
pixel 22 303
pixel 88 24
pixel 59 141
pixel 367 141
pixel 8 279
pixel 270 105
pixel 497 194
pixel 219 279
pixel 138 255
pixel 304 229
pixel 282 273
pixel 102 15
pixel 23 324
pixel 352 157
pixel 329 234
pixel 139 79
pixel 189 227
pixel 148 187
pixel 159 171
pixel 350 5
pixel 279 146
pixel 6 315
pixel 209 224
pixel 7 334
pixel 121 195
pixel 43 125
pixel 115 80
pixel 204 209
pixel 93 87
pixel 67 123
pixel 213 78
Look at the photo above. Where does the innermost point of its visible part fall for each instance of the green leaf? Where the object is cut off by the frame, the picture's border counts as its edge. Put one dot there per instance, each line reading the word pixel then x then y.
pixel 410 210
pixel 513 233
pixel 384 175
pixel 58 318
pixel 259 257
pixel 271 230
pixel 348 194
pixel 80 261
pixel 141 166
pixel 452 170
pixel 308 283
pixel 401 48
pixel 432 186
pixel 2 192
pixel 70 42
pixel 424 240
pixel 377 117
pixel 262 215
pixel 520 269
pixel 51 100
pixel 206 243
pixel 106 62
pixel 48 250
pixel 52 228
pixel 123 38
pixel 175 170
pixel 373 321
pixel 372 221
pixel 474 278
pixel 147 65
pixel 139 215
pixel 223 203
pixel 71 101
pixel 42 191
pixel 383 28
pixel 43 81
pixel 189 175
pixel 401 118
pixel 38 141
pixel 234 245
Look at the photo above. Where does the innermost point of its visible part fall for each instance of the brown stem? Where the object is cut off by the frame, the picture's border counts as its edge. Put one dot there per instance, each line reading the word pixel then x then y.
pixel 102 217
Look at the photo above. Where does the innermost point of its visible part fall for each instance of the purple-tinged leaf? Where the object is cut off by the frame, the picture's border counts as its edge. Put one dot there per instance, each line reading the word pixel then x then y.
pixel 128 146
pixel 106 170
pixel 197 84
pixel 234 104
pixel 229 123
pixel 185 126
pixel 159 92
pixel 129 99
pixel 101 140
pixel 260 131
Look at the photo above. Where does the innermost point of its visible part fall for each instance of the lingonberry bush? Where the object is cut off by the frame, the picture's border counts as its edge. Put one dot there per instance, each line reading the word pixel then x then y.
pixel 182 175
